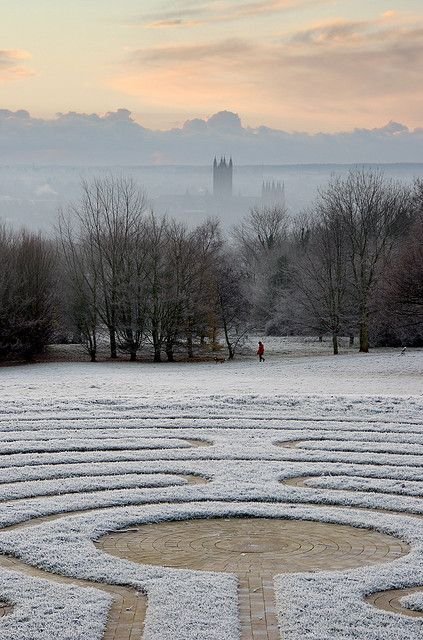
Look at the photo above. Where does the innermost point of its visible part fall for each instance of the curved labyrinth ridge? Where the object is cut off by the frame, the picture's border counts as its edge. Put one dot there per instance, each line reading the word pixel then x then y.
pixel 227 421
pixel 351 482
pixel 53 474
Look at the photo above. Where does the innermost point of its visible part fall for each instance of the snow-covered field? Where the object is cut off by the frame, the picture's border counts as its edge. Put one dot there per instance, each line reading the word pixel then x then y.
pixel 321 438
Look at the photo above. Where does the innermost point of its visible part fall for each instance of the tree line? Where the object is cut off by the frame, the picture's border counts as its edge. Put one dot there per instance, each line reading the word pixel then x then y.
pixel 117 273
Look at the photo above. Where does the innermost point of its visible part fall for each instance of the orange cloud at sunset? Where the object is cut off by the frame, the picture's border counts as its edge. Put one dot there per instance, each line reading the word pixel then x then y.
pixel 220 12
pixel 11 67
pixel 354 69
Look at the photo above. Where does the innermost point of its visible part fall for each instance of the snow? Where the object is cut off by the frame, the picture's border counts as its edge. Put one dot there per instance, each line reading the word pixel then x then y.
pixel 414 602
pixel 120 443
pixel 374 373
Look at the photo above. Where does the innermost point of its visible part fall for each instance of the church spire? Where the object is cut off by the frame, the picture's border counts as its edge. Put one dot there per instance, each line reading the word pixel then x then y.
pixel 222 177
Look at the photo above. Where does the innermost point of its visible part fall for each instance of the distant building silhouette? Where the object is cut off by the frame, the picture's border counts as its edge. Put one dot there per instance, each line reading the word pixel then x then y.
pixel 273 193
pixel 222 178
pixel 197 204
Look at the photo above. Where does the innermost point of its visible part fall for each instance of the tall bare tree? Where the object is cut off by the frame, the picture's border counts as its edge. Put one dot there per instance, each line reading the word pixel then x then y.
pixel 156 281
pixel 81 300
pixel 371 211
pixel 27 300
pixel 407 273
pixel 261 242
pixel 205 244
pixel 109 221
pixel 232 302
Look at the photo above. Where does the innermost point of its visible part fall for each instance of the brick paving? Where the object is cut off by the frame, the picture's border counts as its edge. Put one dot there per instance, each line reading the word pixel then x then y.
pixel 390 601
pixel 256 549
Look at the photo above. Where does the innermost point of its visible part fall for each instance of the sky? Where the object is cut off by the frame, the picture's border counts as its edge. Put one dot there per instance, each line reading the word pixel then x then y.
pixel 294 65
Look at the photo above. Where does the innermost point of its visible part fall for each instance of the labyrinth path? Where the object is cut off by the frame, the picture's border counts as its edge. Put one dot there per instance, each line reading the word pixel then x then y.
pixel 120 521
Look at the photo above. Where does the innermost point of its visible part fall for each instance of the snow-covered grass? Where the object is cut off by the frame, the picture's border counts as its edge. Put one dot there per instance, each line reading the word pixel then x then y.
pixel 46 611
pixel 230 383
pixel 117 442
pixel 414 601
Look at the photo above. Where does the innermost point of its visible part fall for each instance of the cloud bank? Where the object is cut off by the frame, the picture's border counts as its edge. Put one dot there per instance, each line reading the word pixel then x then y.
pixel 116 139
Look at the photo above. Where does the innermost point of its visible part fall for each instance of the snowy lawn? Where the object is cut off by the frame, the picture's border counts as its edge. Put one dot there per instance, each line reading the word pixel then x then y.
pixel 330 439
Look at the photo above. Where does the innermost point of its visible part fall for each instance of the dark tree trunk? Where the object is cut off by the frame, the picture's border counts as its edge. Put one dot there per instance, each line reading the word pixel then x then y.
pixel 93 355
pixel 215 345
pixel 364 338
pixel 189 344
pixel 169 345
pixel 156 344
pixel 231 351
pixel 113 345
pixel 364 330
pixel 335 343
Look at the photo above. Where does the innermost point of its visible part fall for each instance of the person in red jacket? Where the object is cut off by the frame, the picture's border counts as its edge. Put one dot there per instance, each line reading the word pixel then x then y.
pixel 260 351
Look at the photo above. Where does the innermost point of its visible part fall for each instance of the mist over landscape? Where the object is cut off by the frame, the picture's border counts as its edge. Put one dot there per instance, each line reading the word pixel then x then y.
pixel 32 195
pixel 43 161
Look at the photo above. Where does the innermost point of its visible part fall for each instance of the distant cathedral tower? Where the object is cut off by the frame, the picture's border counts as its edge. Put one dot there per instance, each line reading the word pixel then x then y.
pixel 222 178
pixel 273 193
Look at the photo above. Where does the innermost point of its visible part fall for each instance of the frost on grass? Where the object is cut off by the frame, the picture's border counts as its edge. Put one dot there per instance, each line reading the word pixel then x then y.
pixel 43 610
pixel 401 487
pixel 121 452
pixel 413 601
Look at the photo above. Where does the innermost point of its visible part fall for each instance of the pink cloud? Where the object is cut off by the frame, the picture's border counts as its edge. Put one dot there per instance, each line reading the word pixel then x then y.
pixel 336 73
pixel 218 12
pixel 12 65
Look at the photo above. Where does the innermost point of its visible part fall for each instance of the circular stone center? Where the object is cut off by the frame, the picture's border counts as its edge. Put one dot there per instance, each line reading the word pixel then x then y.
pixel 256 549
pixel 237 545
pixel 252 543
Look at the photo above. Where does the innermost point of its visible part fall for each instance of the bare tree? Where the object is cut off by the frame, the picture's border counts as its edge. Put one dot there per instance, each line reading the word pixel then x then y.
pixel 263 229
pixel 232 303
pixel 156 279
pixel 261 241
pixel 179 275
pixel 80 287
pixel 407 273
pixel 204 248
pixel 321 274
pixel 27 300
pixel 108 221
pixel 131 314
pixel 371 211
pixel 176 283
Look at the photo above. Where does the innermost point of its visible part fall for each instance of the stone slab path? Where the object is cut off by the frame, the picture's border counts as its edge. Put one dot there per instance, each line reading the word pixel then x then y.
pixel 390 601
pixel 256 549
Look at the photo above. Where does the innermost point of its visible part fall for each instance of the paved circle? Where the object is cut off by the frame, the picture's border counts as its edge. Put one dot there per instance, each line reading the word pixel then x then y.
pixel 256 549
